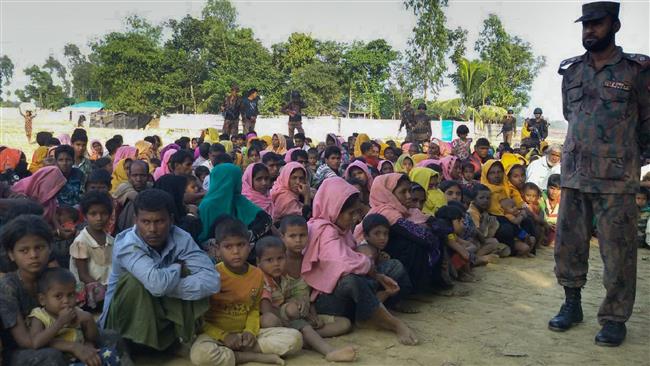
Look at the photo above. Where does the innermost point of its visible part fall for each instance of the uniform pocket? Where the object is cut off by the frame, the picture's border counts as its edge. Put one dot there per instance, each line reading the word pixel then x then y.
pixel 615 101
pixel 607 162
pixel 569 157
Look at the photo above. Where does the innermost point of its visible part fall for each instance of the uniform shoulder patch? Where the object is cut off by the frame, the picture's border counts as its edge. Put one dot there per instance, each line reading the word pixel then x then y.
pixel 643 60
pixel 568 62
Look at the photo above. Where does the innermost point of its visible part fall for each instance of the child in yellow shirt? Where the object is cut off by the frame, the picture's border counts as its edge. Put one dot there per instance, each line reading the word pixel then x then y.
pixel 231 333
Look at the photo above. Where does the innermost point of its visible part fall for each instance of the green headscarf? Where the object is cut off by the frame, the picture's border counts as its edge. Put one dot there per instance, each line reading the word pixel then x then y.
pixel 224 198
pixel 399 165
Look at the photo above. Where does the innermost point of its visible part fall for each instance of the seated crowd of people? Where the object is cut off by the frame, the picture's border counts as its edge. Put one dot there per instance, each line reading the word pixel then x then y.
pixel 247 248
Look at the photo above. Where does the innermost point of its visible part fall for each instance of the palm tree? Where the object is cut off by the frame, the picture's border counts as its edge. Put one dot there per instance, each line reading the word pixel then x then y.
pixel 472 80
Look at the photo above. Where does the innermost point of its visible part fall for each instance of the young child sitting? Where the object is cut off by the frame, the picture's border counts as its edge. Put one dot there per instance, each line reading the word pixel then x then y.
pixel 462 256
pixel 642 198
pixel 91 251
pixel 486 224
pixel 58 319
pixel 231 332
pixel 285 301
pixel 66 218
pixel 551 205
pixel 201 172
pixel 468 178
pixel 532 195
pixel 524 242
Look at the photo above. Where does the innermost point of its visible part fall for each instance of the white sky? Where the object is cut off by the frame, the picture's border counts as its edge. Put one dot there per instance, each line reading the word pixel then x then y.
pixel 31 30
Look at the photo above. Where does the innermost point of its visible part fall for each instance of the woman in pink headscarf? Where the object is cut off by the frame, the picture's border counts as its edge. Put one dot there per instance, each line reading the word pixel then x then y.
pixel 64 139
pixel 386 167
pixel 358 170
pixel 451 168
pixel 164 166
pixel 43 186
pixel 255 186
pixel 124 152
pixel 340 276
pixel 412 239
pixel 291 194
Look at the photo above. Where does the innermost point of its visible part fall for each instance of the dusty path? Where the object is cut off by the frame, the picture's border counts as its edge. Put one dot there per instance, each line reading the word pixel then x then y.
pixel 502 322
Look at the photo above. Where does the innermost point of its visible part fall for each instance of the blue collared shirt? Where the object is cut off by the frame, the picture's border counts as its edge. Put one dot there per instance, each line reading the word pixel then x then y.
pixel 159 272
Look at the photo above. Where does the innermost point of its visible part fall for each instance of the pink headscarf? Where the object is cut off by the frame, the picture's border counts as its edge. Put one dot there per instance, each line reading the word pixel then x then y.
pixel 330 253
pixel 384 202
pixel 64 139
pixel 262 200
pixel 363 166
pixel 406 147
pixel 445 147
pixel 381 164
pixel 124 152
pixel 447 166
pixel 43 187
pixel 164 166
pixel 427 162
pixel 287 155
pixel 285 202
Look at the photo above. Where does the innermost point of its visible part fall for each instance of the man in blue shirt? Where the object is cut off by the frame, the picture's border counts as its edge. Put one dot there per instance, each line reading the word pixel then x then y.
pixel 160 279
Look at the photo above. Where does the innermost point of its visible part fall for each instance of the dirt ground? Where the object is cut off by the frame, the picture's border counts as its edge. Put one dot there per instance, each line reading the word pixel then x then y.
pixel 502 321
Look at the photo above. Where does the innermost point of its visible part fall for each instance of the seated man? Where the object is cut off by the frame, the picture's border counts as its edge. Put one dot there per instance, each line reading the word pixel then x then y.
pixel 160 280
pixel 138 175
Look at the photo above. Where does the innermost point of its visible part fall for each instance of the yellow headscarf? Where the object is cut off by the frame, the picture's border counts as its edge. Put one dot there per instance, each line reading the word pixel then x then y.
pixel 37 159
pixel 382 148
pixel 145 152
pixel 510 161
pixel 227 144
pixel 357 144
pixel 418 158
pixel 435 197
pixel 212 135
pixel 499 191
pixel 399 165
pixel 119 175
pixel 269 141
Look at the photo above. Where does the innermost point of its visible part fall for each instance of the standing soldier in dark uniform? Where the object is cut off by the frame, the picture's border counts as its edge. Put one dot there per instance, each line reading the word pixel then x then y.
pixel 541 124
pixel 422 128
pixel 294 110
pixel 606 100
pixel 249 110
pixel 509 127
pixel 230 109
pixel 408 121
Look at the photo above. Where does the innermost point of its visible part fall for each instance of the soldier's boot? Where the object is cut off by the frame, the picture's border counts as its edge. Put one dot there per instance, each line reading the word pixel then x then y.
pixel 570 312
pixel 612 334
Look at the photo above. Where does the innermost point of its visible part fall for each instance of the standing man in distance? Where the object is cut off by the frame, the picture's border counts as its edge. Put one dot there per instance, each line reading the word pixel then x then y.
pixel 606 100
pixel 294 110
pixel 408 121
pixel 231 108
pixel 249 110
pixel 509 127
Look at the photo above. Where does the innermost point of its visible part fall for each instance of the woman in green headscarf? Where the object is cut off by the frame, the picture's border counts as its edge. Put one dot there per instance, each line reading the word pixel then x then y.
pixel 224 198
pixel 428 179
pixel 404 164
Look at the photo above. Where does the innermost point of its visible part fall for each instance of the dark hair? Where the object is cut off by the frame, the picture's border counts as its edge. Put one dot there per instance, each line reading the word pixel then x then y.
pixel 224 137
pixel 63 149
pixel 251 91
pixel 450 213
pixel 478 188
pixel 112 145
pixel 533 186
pixel 133 162
pixel 482 142
pixel 417 187
pixel 53 141
pixel 179 157
pixel 312 151
pixel 435 168
pixel 101 163
pixel 201 170
pixel 183 142
pixel 155 162
pixel 644 191
pixel 252 148
pixel 445 185
pixel 21 207
pixel 95 198
pixel 462 130
pixel 227 226
pixel 151 140
pixel 99 176
pixel 265 243
pixel 468 164
pixel 22 226
pixel 259 167
pixel 292 220
pixel 372 221
pixel 366 146
pixel 152 200
pixel 79 134
pixel 68 210
pixel 554 181
pixel 54 275
pixel 355 181
pixel 458 205
pixel 204 150
pixel 217 148
pixel 299 154
pixel 331 150
pixel 299 135
pixel 271 156
pixel 223 159
pixel 43 137
pixel 118 138
pixel 351 201
pixel 516 166
pixel 240 136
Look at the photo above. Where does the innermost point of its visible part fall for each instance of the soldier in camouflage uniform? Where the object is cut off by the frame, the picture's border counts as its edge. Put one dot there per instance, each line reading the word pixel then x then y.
pixel 408 121
pixel 606 100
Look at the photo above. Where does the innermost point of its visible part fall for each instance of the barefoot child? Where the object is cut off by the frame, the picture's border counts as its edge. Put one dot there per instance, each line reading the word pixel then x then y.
pixel 285 301
pixel 486 224
pixel 524 242
pixel 59 320
pixel 91 251
pixel 231 332
pixel 532 195
pixel 551 204
pixel 462 256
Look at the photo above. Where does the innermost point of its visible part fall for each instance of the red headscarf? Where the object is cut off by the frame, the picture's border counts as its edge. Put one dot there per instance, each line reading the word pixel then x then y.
pixel 43 187
pixel 9 158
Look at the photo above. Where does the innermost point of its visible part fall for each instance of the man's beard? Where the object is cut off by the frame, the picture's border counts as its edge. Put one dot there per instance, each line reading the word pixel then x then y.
pixel 597 45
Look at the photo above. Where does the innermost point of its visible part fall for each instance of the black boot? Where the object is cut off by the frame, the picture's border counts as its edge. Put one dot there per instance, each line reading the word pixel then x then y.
pixel 612 334
pixel 570 312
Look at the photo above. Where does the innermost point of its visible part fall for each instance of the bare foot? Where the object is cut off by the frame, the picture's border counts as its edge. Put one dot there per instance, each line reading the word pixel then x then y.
pixel 345 354
pixel 405 335
pixel 485 259
pixel 404 308
pixel 269 358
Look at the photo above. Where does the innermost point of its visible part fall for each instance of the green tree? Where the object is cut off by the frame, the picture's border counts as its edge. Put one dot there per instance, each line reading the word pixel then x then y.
pixel 6 73
pixel 222 11
pixel 319 85
pixel 473 78
pixel 42 89
pixel 55 67
pixel 81 71
pixel 512 63
pixel 299 50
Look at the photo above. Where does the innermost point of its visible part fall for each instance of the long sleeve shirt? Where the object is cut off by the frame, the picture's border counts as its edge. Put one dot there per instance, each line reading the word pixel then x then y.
pixel 160 272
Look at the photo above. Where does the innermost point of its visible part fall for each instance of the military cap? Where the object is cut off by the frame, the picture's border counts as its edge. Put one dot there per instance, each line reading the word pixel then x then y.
pixel 510 111
pixel 537 111
pixel 598 10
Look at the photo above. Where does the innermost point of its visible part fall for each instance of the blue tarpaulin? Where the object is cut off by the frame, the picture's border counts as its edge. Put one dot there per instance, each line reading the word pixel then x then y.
pixel 88 105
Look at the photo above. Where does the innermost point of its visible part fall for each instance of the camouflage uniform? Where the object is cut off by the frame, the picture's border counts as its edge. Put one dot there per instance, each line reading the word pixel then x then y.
pixel 408 121
pixel 231 106
pixel 609 128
